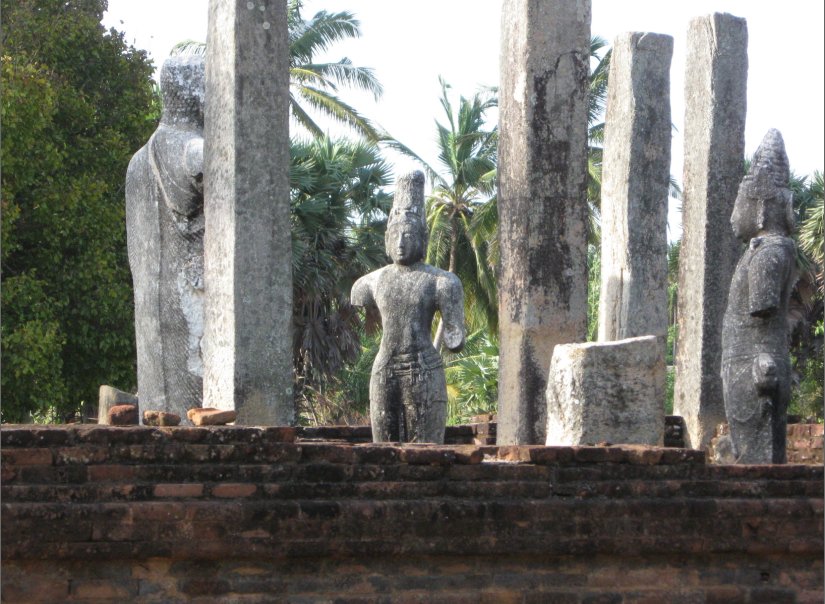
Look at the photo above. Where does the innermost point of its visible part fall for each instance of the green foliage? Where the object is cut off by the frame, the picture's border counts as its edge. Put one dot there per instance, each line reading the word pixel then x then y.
pixel 670 385
pixel 594 279
pixel 472 379
pixel 808 395
pixel 77 103
pixel 339 213
pixel 807 300
pixel 810 222
pixel 461 212
pixel 316 85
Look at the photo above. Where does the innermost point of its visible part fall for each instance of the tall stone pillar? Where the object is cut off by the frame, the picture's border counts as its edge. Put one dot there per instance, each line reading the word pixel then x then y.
pixel 715 103
pixel 635 182
pixel 542 201
pixel 247 342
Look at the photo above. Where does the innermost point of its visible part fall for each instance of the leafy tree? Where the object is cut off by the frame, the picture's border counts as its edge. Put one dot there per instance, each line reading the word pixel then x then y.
pixel 77 103
pixel 339 213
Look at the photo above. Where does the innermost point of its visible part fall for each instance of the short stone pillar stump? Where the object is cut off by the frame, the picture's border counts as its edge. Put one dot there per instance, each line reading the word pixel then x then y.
pixel 606 392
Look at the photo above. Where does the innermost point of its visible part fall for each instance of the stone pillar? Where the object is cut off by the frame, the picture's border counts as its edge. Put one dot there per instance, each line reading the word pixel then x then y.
pixel 715 101
pixel 606 392
pixel 542 202
pixel 635 182
pixel 248 312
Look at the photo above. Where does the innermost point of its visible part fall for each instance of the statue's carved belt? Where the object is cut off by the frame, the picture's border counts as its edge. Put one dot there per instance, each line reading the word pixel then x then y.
pixel 413 364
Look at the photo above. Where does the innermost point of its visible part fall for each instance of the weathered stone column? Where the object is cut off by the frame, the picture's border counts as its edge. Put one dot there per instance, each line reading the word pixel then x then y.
pixel 715 102
pixel 542 201
pixel 635 182
pixel 248 311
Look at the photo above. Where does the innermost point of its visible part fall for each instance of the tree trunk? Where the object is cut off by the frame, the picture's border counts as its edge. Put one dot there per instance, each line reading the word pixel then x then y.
pixel 438 341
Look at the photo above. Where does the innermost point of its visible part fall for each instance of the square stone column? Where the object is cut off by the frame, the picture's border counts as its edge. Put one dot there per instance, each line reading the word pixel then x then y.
pixel 247 343
pixel 635 183
pixel 542 201
pixel 715 105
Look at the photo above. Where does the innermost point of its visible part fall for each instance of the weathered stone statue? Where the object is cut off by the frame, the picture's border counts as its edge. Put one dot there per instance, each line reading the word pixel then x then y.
pixel 756 368
pixel 408 392
pixel 165 225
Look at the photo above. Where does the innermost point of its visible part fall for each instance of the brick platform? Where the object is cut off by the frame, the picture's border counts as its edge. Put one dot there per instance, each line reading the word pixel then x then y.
pixel 257 514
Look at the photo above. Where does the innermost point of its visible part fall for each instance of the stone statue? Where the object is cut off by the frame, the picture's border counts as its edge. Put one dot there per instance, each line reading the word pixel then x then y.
pixel 756 368
pixel 408 392
pixel 165 225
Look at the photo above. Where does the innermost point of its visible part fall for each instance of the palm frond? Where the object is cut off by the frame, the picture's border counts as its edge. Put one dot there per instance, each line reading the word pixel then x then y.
pixel 339 111
pixel 188 48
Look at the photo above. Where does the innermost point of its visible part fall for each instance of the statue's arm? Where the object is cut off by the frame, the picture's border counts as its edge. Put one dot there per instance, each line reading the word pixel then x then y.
pixel 767 276
pixel 362 293
pixel 451 304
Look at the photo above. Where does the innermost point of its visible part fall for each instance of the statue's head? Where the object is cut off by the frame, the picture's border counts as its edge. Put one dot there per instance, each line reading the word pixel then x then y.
pixel 406 236
pixel 765 201
pixel 183 90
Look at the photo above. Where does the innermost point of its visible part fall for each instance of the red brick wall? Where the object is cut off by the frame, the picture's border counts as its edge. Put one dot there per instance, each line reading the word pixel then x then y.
pixel 252 514
pixel 805 443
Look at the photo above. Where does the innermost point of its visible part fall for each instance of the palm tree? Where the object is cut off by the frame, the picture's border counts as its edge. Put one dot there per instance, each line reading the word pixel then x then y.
pixel 461 211
pixel 339 213
pixel 313 87
pixel 316 84
pixel 596 100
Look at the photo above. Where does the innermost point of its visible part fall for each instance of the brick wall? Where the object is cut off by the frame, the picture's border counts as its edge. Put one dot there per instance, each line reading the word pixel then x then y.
pixel 255 514
pixel 805 442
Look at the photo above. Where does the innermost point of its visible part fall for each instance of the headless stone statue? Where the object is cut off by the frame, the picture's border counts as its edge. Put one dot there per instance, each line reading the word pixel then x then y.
pixel 756 368
pixel 164 223
pixel 408 392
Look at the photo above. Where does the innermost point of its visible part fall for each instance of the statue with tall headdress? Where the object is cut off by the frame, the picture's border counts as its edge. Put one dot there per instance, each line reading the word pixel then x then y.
pixel 408 391
pixel 756 368
pixel 165 227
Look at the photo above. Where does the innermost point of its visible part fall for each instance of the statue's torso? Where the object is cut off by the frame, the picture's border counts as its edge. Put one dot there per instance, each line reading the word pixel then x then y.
pixel 406 297
pixel 764 275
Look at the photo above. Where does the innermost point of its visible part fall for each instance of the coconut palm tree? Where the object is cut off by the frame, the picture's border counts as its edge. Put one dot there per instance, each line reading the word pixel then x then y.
pixel 313 86
pixel 461 209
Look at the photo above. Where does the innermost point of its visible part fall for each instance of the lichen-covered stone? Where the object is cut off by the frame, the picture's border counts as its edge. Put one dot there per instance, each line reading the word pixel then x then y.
pixel 408 391
pixel 717 61
pixel 635 182
pixel 756 366
pixel 247 346
pixel 606 392
pixel 542 201
pixel 108 397
pixel 165 228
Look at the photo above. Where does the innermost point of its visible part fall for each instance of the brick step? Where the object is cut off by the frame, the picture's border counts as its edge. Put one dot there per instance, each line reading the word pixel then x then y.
pixel 210 529
pixel 406 490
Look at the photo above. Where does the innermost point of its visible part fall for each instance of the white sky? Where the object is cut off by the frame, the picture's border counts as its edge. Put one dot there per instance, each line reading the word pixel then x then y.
pixel 410 43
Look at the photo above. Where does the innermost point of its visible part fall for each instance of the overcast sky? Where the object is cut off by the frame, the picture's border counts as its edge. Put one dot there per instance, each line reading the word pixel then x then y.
pixel 410 43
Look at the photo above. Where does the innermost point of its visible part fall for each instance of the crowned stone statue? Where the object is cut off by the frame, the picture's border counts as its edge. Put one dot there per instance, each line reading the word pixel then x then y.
pixel 756 368
pixel 164 226
pixel 408 392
